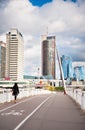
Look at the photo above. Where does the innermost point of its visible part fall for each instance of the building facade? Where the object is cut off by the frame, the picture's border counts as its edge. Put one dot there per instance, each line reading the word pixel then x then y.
pixel 79 70
pixel 48 56
pixel 66 62
pixel 14 55
pixel 2 59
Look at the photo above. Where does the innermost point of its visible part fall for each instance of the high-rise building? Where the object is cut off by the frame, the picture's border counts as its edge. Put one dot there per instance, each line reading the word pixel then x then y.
pixel 14 55
pixel 2 59
pixel 79 70
pixel 48 56
pixel 66 62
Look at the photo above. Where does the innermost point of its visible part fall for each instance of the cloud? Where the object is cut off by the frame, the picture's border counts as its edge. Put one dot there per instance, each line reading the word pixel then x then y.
pixel 65 20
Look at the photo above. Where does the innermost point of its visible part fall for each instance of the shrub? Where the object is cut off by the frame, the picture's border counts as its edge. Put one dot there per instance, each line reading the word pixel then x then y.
pixel 59 88
pixel 52 88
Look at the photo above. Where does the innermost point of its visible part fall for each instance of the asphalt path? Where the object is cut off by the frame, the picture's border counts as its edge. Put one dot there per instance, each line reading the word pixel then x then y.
pixel 42 112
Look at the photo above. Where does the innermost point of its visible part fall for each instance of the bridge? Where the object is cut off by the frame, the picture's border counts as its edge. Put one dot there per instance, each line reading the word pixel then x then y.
pixel 44 110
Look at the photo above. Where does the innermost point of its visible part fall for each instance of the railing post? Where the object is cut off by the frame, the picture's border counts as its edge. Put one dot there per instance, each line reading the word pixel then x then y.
pixel 82 100
pixel 3 95
pixel 73 92
pixel 76 95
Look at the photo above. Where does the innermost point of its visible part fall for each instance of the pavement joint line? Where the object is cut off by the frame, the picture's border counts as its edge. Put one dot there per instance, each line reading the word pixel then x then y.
pixel 15 104
pixel 23 121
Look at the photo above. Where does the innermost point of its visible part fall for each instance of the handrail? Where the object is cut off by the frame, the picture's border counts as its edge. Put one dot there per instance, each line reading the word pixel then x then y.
pixel 6 93
pixel 78 95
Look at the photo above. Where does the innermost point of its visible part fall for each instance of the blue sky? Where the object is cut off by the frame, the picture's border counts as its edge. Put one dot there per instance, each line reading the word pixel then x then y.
pixel 72 0
pixel 64 19
pixel 39 2
pixel 43 2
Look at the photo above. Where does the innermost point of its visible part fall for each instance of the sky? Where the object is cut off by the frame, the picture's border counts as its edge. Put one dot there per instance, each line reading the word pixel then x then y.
pixel 64 19
pixel 39 2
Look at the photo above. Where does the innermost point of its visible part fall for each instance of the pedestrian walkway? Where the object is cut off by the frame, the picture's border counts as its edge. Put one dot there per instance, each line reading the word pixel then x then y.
pixel 57 112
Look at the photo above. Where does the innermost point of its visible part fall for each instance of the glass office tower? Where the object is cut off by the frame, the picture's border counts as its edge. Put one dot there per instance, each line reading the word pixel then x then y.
pixel 66 62
pixel 79 72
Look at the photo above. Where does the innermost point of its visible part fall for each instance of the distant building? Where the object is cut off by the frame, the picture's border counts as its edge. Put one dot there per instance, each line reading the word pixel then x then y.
pixel 48 56
pixel 14 55
pixel 2 59
pixel 78 63
pixel 79 70
pixel 66 62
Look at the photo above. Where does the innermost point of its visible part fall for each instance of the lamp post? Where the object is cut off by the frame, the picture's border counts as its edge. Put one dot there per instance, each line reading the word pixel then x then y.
pixel 38 75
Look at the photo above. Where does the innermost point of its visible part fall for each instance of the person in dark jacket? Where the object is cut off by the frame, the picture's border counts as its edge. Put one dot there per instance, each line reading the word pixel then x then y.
pixel 15 91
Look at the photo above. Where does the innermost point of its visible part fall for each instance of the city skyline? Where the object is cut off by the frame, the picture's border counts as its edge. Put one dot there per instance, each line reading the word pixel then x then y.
pixel 63 18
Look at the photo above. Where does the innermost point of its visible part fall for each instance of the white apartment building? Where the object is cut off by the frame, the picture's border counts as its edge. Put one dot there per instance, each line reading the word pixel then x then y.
pixel 14 55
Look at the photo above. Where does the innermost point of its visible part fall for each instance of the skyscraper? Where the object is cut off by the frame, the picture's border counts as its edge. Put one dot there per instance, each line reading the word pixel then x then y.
pixel 66 62
pixel 79 70
pixel 48 56
pixel 14 55
pixel 79 73
pixel 2 59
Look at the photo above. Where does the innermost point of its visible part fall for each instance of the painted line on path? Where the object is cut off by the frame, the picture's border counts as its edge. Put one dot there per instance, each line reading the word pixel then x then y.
pixel 16 104
pixel 23 121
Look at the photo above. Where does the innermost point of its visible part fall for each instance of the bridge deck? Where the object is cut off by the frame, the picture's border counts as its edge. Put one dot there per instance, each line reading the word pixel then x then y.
pixel 58 112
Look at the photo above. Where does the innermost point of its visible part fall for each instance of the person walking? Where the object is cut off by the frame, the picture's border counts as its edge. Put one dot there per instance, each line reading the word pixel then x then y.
pixel 15 92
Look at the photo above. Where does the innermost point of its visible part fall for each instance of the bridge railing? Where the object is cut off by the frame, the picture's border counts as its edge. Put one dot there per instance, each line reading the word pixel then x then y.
pixel 78 95
pixel 6 94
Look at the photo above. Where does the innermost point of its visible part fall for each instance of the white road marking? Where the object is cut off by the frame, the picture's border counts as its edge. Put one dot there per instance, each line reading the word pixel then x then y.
pixel 13 112
pixel 23 121
pixel 16 104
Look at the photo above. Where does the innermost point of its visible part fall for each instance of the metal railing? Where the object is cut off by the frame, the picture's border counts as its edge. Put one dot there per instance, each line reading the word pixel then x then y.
pixel 78 95
pixel 6 94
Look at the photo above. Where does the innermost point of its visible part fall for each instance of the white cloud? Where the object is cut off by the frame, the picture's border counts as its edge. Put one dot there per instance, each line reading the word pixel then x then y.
pixel 66 20
pixel 3 37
